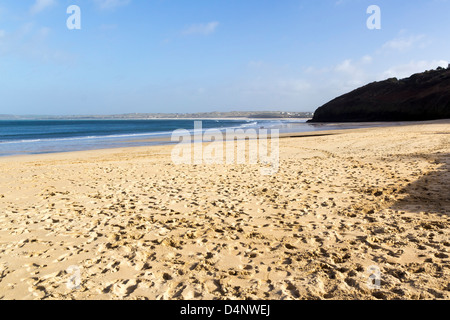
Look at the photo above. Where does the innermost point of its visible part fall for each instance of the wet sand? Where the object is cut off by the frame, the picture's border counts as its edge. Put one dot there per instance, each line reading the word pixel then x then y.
pixel 138 227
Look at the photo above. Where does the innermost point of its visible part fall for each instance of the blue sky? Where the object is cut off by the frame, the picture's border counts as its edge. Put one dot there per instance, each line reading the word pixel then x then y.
pixel 208 55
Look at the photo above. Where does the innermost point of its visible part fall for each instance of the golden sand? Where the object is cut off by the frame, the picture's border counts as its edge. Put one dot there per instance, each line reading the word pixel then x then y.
pixel 137 226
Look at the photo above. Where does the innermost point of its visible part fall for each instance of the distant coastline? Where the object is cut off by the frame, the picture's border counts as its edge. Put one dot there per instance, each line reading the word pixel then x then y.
pixel 170 116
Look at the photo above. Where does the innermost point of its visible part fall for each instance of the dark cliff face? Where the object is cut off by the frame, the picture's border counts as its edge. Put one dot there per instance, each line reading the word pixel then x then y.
pixel 423 96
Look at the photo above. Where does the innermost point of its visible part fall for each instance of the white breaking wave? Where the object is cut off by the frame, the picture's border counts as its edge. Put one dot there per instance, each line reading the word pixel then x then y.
pixel 248 124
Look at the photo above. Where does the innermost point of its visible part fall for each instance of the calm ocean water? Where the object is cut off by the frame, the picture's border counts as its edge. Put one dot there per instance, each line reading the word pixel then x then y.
pixel 49 136
pixel 19 137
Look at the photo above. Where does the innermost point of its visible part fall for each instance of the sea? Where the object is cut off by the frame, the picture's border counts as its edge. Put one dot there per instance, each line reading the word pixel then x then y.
pixel 22 137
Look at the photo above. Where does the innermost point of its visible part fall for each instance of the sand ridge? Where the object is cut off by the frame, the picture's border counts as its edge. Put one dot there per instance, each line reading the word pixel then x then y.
pixel 138 227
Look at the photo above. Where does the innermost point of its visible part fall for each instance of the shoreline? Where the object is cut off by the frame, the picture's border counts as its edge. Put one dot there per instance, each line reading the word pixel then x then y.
pixel 137 119
pixel 165 141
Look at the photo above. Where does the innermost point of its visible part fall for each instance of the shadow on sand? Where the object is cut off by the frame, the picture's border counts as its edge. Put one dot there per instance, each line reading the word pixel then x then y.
pixel 431 193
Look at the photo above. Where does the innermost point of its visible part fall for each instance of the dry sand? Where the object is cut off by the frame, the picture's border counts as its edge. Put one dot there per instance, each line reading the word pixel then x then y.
pixel 137 226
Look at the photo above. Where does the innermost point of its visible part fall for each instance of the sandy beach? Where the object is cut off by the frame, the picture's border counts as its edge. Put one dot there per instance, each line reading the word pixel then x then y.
pixel 135 226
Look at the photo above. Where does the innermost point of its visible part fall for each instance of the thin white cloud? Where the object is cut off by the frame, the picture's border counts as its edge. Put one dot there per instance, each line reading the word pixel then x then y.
pixel 256 64
pixel 43 32
pixel 346 66
pixel 406 70
pixel 403 43
pixel 351 74
pixel 111 4
pixel 108 27
pixel 202 29
pixel 293 86
pixel 366 59
pixel 30 42
pixel 264 86
pixel 314 71
pixel 41 5
pixel 2 41
pixel 346 76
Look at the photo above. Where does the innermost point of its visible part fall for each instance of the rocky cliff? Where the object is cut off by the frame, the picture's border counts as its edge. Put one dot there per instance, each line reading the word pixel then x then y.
pixel 423 96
